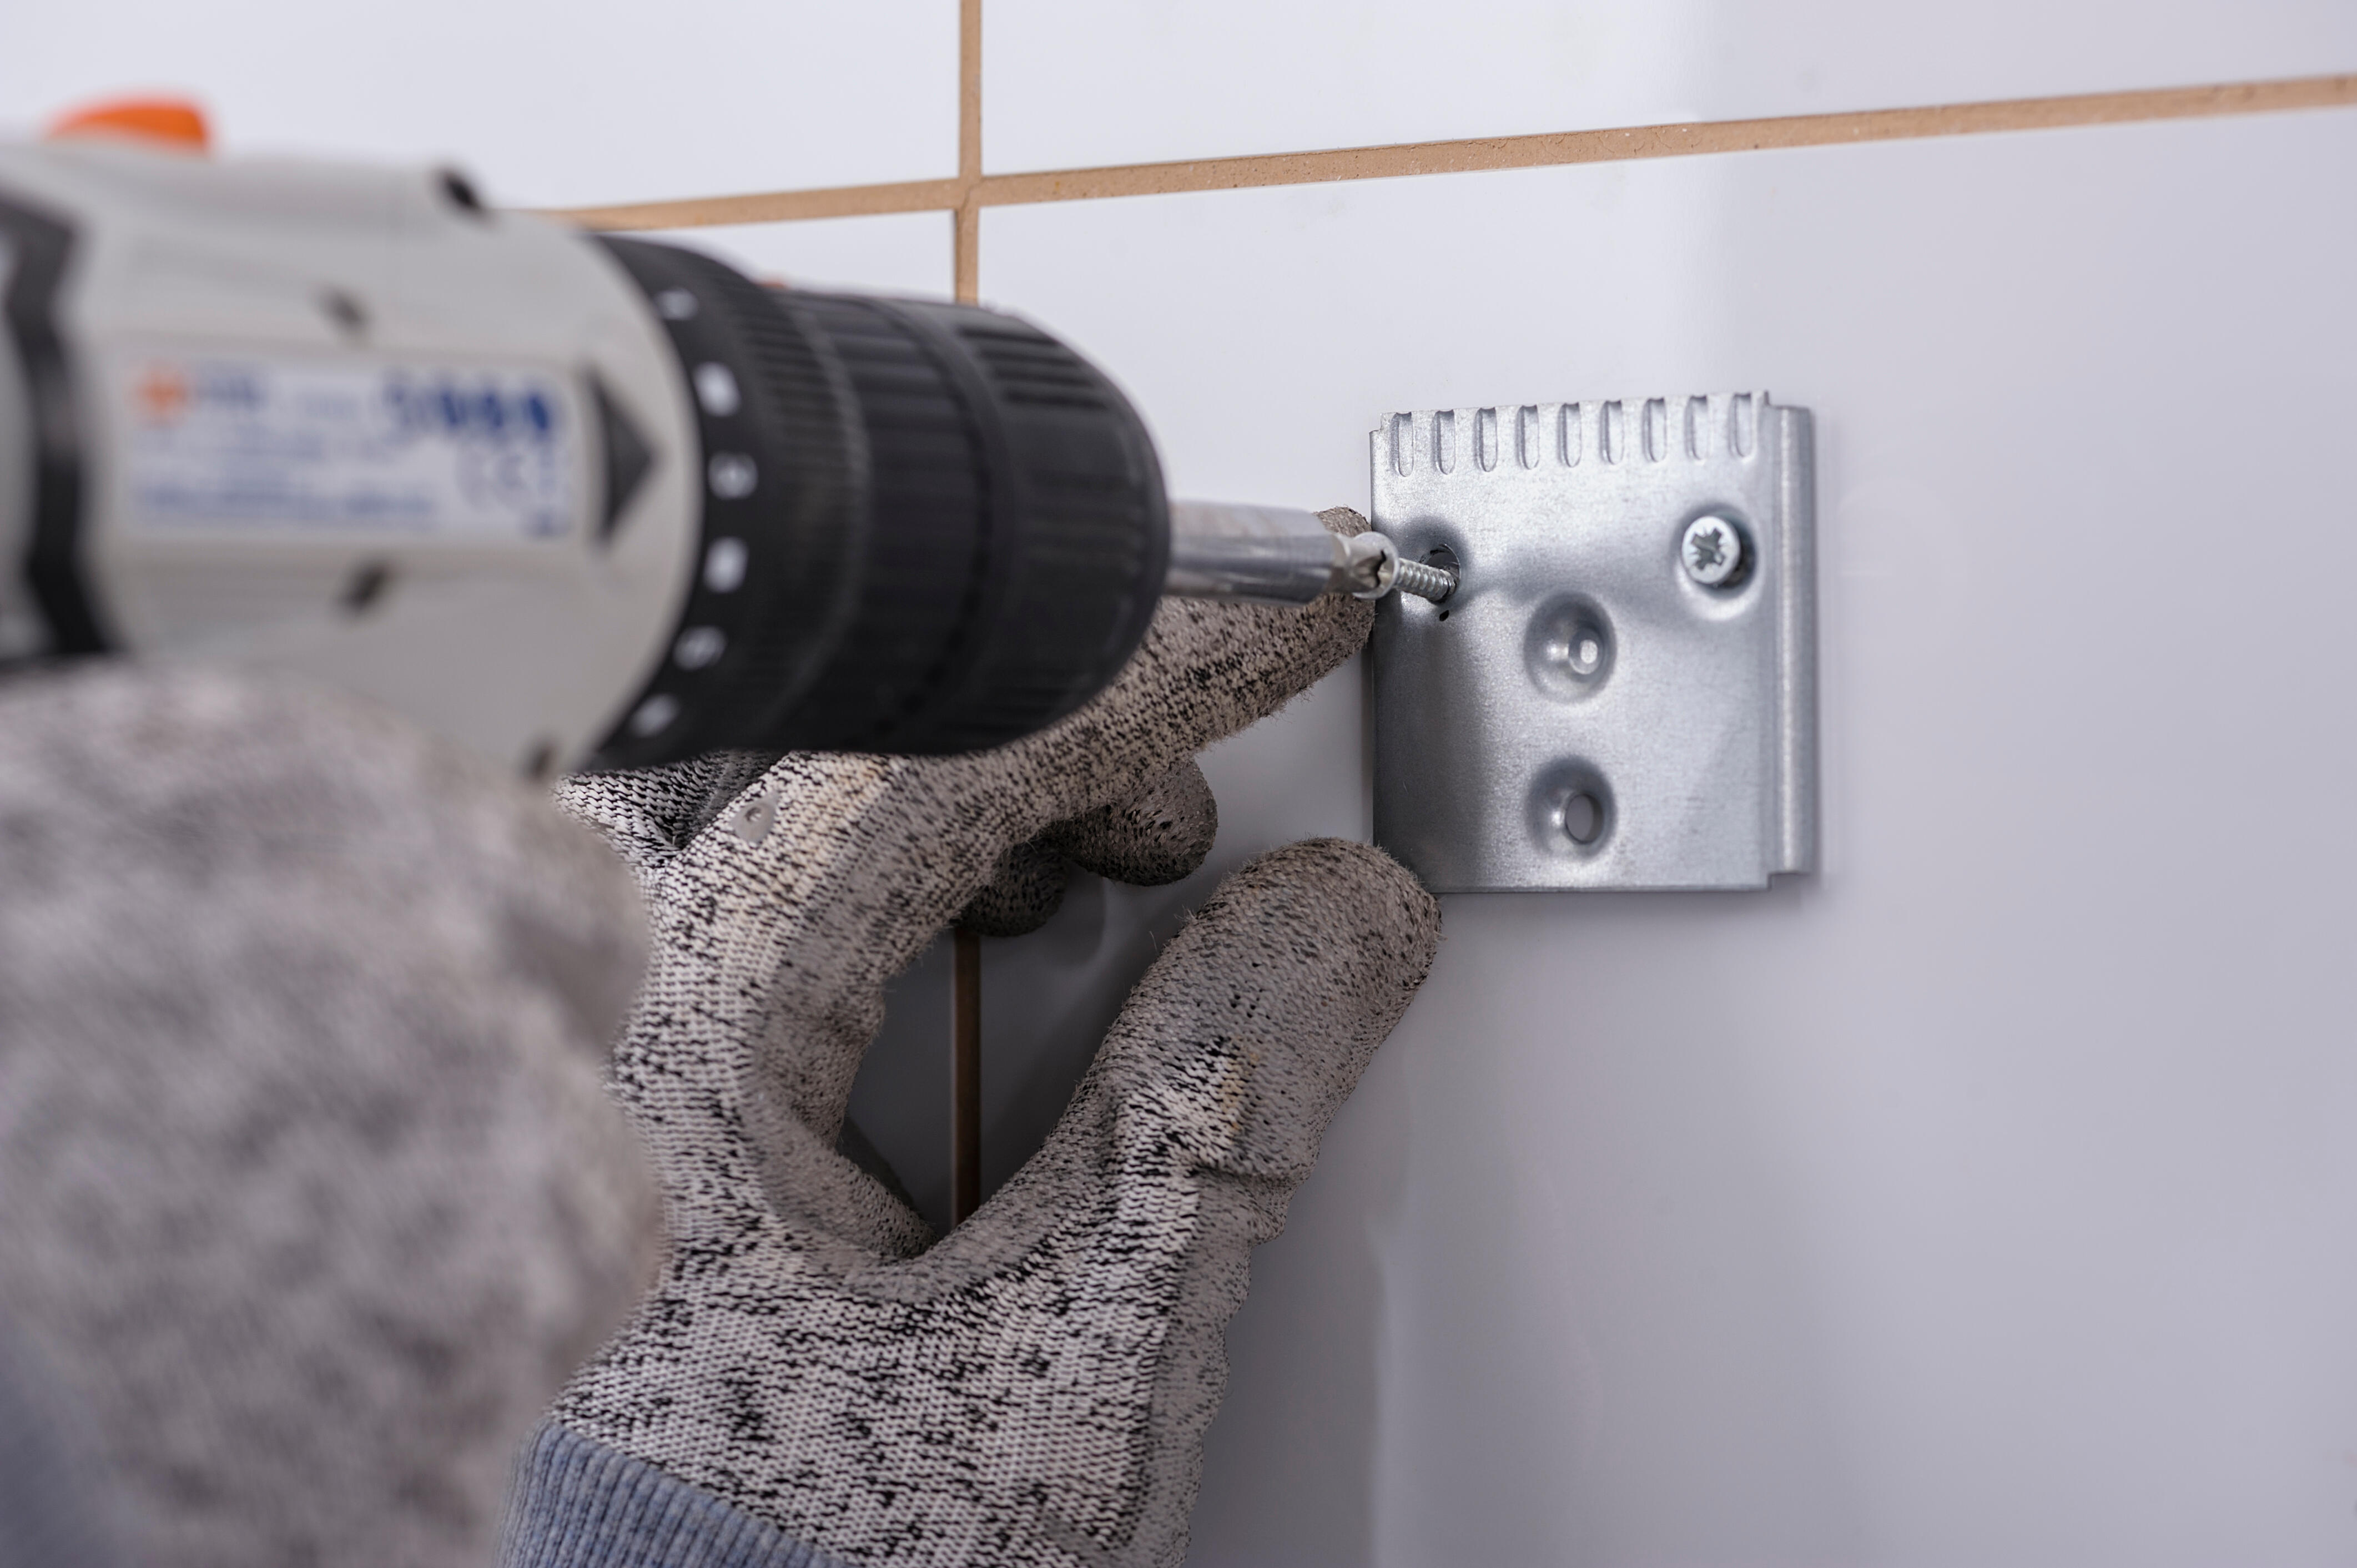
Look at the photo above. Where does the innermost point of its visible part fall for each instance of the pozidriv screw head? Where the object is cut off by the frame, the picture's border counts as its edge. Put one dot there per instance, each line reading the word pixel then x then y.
pixel 1713 551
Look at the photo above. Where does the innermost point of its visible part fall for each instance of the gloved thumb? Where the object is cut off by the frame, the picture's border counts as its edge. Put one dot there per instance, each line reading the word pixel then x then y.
pixel 1252 1028
pixel 1105 1272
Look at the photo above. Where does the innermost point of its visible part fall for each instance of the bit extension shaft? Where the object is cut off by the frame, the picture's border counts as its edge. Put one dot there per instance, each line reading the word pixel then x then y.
pixel 1286 556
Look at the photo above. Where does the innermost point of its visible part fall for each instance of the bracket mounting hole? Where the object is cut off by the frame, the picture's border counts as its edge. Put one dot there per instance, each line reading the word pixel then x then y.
pixel 1582 819
pixel 1571 809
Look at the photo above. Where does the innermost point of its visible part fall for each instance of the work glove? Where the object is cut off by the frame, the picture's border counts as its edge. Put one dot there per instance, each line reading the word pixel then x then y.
pixel 311 1193
pixel 815 1379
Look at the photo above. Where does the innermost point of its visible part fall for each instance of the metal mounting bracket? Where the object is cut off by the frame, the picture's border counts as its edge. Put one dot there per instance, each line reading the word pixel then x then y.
pixel 1621 692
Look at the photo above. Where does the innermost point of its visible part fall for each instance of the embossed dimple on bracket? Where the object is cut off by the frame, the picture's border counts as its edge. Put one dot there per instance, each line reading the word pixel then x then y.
pixel 1568 647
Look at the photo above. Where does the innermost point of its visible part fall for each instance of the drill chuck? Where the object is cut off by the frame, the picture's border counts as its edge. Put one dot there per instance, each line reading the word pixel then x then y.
pixel 926 527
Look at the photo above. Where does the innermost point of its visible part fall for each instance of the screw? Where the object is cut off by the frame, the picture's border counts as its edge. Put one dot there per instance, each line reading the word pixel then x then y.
pixel 1368 566
pixel 1426 581
pixel 1434 577
pixel 1713 551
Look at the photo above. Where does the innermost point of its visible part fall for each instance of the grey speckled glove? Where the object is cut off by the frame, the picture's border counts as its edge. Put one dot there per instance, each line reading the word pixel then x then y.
pixel 310 1192
pixel 815 1379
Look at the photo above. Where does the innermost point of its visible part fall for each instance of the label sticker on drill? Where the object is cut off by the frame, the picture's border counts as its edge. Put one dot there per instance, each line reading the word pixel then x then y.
pixel 340 448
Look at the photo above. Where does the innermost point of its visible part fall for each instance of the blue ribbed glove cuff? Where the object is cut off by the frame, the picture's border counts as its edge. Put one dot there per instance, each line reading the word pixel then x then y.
pixel 580 1504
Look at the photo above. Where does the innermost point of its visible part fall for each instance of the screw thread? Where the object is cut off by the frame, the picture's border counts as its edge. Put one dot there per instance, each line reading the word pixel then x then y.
pixel 1425 581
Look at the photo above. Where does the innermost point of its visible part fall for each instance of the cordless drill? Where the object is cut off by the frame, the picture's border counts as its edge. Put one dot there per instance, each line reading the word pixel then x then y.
pixel 573 499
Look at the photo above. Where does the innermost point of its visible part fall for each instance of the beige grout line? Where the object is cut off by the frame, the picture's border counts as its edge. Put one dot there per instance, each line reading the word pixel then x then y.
pixel 773 205
pixel 1669 141
pixel 967 236
pixel 969 91
pixel 965 945
pixel 965 245
pixel 973 190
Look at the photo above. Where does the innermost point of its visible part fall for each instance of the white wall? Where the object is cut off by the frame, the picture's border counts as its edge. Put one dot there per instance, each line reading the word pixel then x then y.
pixel 1071 83
pixel 1985 1198
pixel 547 103
pixel 1989 1196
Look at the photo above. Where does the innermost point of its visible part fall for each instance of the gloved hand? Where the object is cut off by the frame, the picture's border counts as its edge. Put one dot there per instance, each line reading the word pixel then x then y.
pixel 310 1192
pixel 814 1379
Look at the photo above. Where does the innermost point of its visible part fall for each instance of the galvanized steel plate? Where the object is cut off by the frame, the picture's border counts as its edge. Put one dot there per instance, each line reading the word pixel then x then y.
pixel 1584 712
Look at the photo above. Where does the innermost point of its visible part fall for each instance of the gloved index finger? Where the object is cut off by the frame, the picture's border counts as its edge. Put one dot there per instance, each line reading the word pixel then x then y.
pixel 1158 836
pixel 650 814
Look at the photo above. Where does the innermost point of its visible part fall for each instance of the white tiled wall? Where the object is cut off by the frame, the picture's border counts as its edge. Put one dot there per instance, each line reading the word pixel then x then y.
pixel 1079 82
pixel 549 102
pixel 1985 1198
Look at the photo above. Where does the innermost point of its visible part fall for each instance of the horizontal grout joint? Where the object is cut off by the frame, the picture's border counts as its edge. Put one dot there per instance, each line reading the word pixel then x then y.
pixel 973 190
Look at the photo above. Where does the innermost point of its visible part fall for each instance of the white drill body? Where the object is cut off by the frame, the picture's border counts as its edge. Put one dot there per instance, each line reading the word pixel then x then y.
pixel 348 423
